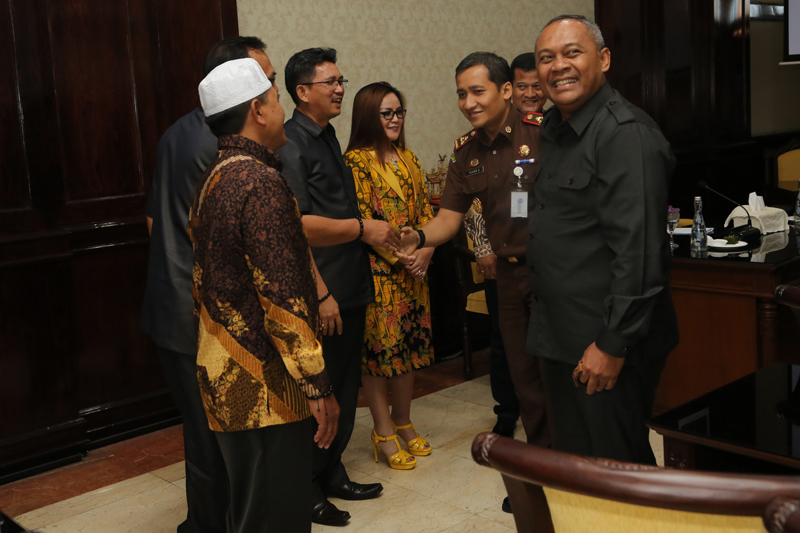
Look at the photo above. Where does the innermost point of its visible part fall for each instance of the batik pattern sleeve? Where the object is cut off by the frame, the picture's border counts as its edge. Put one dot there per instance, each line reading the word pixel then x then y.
pixel 475 225
pixel 276 252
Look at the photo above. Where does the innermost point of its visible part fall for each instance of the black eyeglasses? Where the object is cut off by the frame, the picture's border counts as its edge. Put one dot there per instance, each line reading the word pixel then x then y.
pixel 330 83
pixel 389 115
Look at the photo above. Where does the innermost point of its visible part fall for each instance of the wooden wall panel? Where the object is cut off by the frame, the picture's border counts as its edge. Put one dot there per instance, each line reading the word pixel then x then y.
pixel 96 120
pixel 14 192
pixel 86 91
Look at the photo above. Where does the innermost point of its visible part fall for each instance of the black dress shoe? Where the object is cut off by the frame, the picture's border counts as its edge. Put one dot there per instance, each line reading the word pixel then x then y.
pixel 356 491
pixel 506 505
pixel 326 514
pixel 505 427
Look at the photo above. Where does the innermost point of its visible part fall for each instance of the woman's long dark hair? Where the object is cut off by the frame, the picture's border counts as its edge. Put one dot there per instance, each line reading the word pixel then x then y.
pixel 367 130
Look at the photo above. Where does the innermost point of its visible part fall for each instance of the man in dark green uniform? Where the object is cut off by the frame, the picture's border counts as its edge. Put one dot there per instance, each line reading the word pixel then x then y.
pixel 598 255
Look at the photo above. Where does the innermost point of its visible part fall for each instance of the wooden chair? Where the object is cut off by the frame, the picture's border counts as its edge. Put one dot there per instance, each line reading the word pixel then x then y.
pixel 600 495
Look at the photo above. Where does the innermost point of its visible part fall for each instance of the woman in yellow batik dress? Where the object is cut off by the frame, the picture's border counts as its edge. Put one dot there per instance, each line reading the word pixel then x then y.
pixel 389 185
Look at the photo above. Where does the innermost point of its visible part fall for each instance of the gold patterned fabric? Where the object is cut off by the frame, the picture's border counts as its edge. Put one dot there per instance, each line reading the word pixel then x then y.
pixel 258 357
pixel 397 338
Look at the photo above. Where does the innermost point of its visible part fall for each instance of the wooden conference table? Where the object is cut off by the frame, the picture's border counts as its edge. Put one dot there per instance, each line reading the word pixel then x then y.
pixel 730 325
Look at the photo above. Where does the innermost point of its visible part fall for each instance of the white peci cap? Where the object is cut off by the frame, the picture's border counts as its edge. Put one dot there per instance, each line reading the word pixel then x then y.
pixel 232 83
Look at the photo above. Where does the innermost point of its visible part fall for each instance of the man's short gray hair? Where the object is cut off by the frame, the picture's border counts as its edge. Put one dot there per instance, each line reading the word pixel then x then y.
pixel 594 29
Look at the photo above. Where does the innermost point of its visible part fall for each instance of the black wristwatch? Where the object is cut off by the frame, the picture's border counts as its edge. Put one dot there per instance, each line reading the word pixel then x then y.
pixel 421 238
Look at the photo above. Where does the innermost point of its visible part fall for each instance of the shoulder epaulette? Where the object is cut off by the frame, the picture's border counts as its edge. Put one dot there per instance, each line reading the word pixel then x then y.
pixel 464 139
pixel 620 112
pixel 533 118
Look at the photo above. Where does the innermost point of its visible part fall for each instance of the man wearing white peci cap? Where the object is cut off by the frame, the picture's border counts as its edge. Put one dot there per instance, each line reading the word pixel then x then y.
pixel 259 362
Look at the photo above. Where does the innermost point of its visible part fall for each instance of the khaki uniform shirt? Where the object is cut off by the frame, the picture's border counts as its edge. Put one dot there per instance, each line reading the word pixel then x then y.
pixel 483 169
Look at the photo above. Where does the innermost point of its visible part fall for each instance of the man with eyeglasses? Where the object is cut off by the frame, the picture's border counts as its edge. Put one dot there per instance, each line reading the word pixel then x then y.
pixel 326 196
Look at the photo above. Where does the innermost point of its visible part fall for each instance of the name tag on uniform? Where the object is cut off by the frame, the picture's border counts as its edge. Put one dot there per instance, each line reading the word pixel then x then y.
pixel 519 204
pixel 474 171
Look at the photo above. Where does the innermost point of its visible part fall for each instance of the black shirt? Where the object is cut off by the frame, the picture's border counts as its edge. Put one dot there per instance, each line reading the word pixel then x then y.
pixel 323 186
pixel 599 254
pixel 184 152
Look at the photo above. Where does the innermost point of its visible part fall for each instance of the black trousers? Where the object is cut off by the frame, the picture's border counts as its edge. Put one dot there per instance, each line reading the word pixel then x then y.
pixel 268 472
pixel 499 373
pixel 608 424
pixel 342 355
pixel 206 480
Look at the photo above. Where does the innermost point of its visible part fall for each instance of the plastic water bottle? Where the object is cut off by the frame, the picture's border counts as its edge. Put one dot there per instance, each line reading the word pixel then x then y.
pixel 699 245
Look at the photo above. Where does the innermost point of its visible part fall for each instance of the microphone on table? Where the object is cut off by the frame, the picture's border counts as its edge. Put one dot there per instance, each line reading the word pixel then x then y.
pixel 746 233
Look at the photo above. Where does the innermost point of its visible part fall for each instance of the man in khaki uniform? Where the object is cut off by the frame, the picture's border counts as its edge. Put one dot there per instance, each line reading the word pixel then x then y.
pixel 497 162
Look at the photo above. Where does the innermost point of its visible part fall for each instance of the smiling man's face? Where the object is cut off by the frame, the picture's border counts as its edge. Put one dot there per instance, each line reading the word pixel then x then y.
pixel 570 68
pixel 480 100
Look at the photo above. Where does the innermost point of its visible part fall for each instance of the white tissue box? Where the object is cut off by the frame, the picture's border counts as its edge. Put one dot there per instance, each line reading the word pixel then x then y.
pixel 768 220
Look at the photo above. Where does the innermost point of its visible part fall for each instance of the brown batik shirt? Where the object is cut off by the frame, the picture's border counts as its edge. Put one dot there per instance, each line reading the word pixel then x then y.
pixel 255 297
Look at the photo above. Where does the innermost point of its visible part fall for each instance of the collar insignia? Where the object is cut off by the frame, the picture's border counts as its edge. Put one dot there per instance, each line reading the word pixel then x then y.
pixel 464 139
pixel 533 118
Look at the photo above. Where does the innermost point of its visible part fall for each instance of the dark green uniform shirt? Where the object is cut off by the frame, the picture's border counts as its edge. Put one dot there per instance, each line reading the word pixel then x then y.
pixel 598 252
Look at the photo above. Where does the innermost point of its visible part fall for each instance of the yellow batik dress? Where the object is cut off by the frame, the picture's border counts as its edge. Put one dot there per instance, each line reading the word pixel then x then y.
pixel 397 338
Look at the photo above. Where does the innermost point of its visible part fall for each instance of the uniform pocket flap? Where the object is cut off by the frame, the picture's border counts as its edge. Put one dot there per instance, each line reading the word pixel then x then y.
pixel 574 181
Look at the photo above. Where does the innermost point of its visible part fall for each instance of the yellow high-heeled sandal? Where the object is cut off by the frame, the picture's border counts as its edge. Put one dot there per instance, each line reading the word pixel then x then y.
pixel 416 446
pixel 399 460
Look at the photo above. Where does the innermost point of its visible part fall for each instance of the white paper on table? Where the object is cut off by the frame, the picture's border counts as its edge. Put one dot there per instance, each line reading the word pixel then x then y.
pixel 688 231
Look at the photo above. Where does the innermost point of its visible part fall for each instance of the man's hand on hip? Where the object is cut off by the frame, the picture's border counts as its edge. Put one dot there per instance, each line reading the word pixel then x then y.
pixel 598 370
pixel 330 320
pixel 326 412
pixel 380 233
pixel 487 266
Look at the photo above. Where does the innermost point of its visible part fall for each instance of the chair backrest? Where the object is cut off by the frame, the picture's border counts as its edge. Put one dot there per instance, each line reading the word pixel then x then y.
pixel 599 495
pixel 789 170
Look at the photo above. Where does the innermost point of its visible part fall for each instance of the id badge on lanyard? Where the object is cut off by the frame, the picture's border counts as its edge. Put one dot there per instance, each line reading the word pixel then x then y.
pixel 519 197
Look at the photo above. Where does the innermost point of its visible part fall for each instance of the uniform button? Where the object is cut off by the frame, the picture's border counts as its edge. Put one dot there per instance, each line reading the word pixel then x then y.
pixel 494 152
pixel 504 245
pixel 495 176
pixel 569 181
pixel 535 298
pixel 549 174
pixel 524 177
pixel 612 102
pixel 541 206
pixel 473 188
pixel 530 269
pixel 499 201
pixel 530 236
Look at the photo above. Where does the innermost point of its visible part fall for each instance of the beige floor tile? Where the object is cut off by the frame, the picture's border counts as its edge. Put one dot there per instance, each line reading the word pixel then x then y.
pixel 91 500
pixel 657 443
pixel 361 412
pixel 443 420
pixel 496 514
pixel 158 510
pixel 471 391
pixel 396 510
pixel 478 524
pixel 450 479
pixel 172 472
pixel 180 483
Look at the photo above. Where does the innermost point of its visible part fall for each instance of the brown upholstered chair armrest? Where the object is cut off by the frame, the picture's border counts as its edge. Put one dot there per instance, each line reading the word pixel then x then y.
pixel 782 515
pixel 788 295
pixel 682 490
